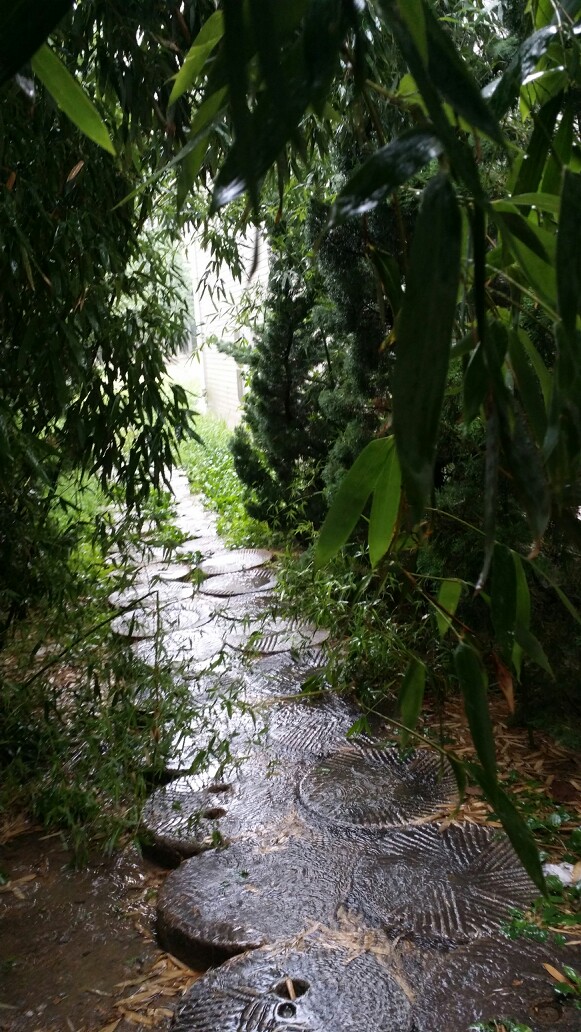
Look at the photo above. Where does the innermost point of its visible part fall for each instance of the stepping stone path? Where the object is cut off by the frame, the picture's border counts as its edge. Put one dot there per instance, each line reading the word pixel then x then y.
pixel 322 872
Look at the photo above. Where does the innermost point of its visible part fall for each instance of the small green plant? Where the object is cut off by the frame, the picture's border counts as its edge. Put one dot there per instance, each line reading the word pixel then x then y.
pixel 210 467
pixel 504 1025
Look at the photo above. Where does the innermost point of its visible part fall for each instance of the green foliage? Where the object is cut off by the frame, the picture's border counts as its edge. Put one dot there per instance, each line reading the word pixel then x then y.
pixel 210 467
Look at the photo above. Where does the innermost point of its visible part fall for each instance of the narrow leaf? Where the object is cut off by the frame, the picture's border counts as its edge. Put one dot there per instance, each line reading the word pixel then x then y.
pixel 411 696
pixel 533 648
pixel 448 598
pixel 351 498
pixel 423 336
pixel 569 255
pixel 24 26
pixel 388 168
pixel 385 507
pixel 474 685
pixel 519 834
pixel 71 97
pixel 205 42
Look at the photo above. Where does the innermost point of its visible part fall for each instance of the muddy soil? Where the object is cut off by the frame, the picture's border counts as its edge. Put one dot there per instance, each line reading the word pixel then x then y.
pixel 77 952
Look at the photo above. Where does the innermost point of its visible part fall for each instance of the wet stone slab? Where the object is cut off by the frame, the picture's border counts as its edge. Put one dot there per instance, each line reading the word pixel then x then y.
pixel 247 582
pixel 439 886
pixel 230 900
pixel 192 814
pixel 147 621
pixel 270 636
pixel 309 988
pixel 235 561
pixel 368 787
pixel 495 979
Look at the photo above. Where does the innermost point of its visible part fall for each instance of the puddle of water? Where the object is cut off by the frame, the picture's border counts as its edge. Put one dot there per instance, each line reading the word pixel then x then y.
pixel 67 938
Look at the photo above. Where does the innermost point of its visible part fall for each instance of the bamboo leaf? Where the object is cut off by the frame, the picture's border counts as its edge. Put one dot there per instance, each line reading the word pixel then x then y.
pixel 529 387
pixel 351 498
pixel 448 598
pixel 385 507
pixel 569 256
pixel 24 26
pixel 474 685
pixel 388 168
pixel 71 97
pixel 519 834
pixel 205 42
pixel 411 696
pixel 532 647
pixel 423 337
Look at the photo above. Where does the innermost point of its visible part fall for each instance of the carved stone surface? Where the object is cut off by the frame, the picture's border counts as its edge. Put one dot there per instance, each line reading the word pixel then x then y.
pixel 190 650
pixel 279 635
pixel 193 814
pixel 205 544
pixel 440 886
pixel 313 727
pixel 235 561
pixel 166 571
pixel 142 592
pixel 369 787
pixel 497 978
pixel 148 621
pixel 249 581
pixel 310 988
pixel 239 898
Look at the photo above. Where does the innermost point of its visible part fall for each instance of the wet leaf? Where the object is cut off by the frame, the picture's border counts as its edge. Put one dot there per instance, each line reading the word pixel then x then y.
pixel 385 507
pixel 351 498
pixel 519 834
pixel 71 97
pixel 24 26
pixel 411 696
pixel 388 168
pixel 423 335
pixel 448 598
pixel 205 42
pixel 532 648
pixel 569 259
pixel 474 685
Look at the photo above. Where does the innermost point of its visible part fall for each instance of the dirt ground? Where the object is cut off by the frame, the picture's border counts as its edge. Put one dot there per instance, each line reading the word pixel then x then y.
pixel 77 950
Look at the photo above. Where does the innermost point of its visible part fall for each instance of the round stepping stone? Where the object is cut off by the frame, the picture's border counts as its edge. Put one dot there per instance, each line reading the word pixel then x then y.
pixel 193 814
pixel 279 635
pixel 206 545
pixel 310 728
pixel 309 988
pixel 149 621
pixel 245 607
pixel 440 886
pixel 378 788
pixel 235 561
pixel 229 900
pixel 143 592
pixel 166 571
pixel 188 648
pixel 278 675
pixel 495 979
pixel 247 582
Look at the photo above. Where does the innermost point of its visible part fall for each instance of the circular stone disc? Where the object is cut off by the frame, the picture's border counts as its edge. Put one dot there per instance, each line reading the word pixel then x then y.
pixel 145 593
pixel 378 788
pixel 497 978
pixel 279 635
pixel 440 886
pixel 310 727
pixel 166 571
pixel 248 607
pixel 206 545
pixel 148 621
pixel 229 900
pixel 310 988
pixel 239 584
pixel 235 561
pixel 193 814
pixel 187 648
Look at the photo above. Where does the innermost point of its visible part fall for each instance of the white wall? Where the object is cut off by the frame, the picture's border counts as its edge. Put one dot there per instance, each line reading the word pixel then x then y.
pixel 215 317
